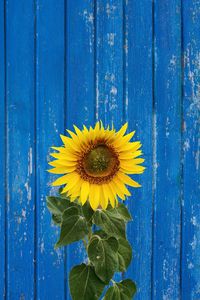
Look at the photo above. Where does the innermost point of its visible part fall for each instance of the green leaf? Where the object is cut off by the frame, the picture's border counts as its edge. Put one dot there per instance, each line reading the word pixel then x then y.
pixel 112 225
pixel 103 255
pixel 57 219
pixel 124 254
pixel 73 227
pixel 57 205
pixel 100 233
pixel 121 212
pixel 84 284
pixel 124 290
pixel 88 212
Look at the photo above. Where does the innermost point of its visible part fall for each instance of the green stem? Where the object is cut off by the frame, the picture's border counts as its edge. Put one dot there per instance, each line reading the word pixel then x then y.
pixel 113 282
pixel 85 244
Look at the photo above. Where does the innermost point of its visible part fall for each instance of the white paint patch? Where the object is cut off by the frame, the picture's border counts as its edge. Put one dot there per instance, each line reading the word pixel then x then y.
pixel 55 127
pixel 28 190
pixel 111 38
pixel 24 213
pixel 190 266
pixel 113 90
pixel 30 161
pixel 193 244
pixel 167 127
pixel 186 145
pixel 173 60
pixel 89 23
pixel 110 77
pixel 197 155
pixel 42 247
pixel 155 165
pixel 110 10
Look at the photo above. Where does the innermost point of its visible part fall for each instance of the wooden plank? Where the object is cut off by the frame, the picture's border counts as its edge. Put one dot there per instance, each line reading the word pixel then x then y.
pixel 2 151
pixel 79 85
pixel 109 65
pixel 20 149
pixel 109 61
pixel 50 122
pixel 138 111
pixel 191 146
pixel 167 132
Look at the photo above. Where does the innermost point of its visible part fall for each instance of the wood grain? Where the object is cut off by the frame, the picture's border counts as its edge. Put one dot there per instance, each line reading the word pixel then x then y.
pixel 74 62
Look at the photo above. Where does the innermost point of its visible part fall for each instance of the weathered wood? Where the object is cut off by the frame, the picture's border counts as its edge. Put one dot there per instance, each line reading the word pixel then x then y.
pixel 80 86
pixel 167 128
pixel 109 65
pixel 2 152
pixel 74 62
pixel 138 110
pixel 50 91
pixel 109 61
pixel 20 149
pixel 190 274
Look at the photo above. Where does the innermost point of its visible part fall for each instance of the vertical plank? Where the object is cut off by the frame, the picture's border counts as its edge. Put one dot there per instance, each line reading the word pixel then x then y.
pixel 20 149
pixel 109 64
pixel 79 85
pixel 138 110
pixel 191 147
pixel 2 150
pixel 50 120
pixel 167 127
pixel 109 61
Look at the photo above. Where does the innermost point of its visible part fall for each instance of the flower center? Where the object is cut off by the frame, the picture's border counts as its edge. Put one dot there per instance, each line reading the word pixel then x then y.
pixel 99 164
pixel 99 161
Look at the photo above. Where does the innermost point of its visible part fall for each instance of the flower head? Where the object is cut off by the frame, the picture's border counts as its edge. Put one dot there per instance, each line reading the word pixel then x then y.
pixel 96 163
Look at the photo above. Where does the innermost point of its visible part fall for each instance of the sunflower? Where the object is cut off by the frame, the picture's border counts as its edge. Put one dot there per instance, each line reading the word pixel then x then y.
pixel 96 163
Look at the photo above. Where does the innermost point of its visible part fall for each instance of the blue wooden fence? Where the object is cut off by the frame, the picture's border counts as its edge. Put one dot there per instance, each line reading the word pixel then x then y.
pixel 65 62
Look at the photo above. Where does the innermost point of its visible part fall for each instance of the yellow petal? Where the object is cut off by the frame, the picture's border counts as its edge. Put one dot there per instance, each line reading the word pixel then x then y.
pixel 58 170
pixel 107 192
pixel 63 162
pixel 131 147
pixel 137 161
pixel 72 180
pixel 113 195
pixel 128 180
pixel 60 181
pixel 116 190
pixel 69 142
pixel 103 198
pixel 137 153
pixel 74 192
pixel 129 155
pixel 120 142
pixel 84 191
pixel 123 129
pixel 131 166
pixel 94 196
pixel 79 133
pixel 120 185
pixel 60 149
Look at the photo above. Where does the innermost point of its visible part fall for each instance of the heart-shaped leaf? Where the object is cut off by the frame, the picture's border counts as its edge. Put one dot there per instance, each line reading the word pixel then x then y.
pixel 84 284
pixel 103 255
pixel 124 290
pixel 124 255
pixel 73 227
pixel 112 225
pixel 88 212
pixel 121 212
pixel 57 206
